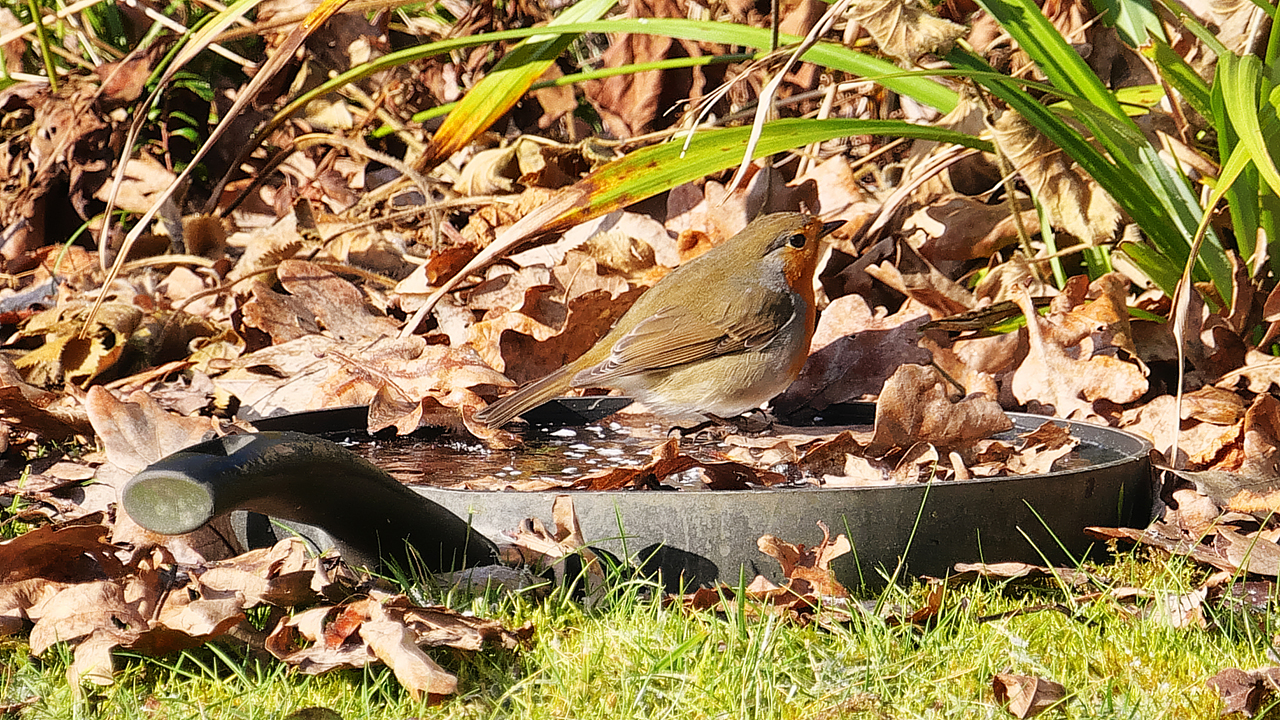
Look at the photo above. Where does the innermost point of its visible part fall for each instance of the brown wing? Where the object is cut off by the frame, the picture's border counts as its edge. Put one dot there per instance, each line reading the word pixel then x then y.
pixel 673 336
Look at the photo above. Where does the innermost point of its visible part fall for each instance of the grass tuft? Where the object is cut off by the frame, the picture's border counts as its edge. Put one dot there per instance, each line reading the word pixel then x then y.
pixel 630 655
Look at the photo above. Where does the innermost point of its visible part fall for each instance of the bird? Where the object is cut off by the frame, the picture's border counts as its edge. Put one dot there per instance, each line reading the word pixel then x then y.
pixel 718 336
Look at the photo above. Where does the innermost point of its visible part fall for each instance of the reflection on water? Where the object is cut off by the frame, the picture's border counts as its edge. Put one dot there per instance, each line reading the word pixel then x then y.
pixel 555 455
pixel 559 456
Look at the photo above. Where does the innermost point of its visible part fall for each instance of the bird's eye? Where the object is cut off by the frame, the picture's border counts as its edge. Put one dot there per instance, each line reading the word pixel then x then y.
pixel 797 241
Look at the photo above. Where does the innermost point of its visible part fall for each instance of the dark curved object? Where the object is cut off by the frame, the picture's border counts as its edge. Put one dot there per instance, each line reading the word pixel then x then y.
pixel 298 477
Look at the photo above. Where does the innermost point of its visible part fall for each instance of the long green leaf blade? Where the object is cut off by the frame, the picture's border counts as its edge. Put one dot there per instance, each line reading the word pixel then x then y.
pixel 1135 20
pixel 917 86
pixel 652 170
pixel 499 90
pixel 1181 76
pixel 1100 112
pixel 1242 81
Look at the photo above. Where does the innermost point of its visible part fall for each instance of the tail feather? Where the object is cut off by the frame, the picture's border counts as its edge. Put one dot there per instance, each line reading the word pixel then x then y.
pixel 526 398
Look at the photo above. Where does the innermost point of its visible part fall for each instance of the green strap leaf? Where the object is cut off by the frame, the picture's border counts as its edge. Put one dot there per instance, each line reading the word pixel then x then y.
pixel 510 79
pixel 658 168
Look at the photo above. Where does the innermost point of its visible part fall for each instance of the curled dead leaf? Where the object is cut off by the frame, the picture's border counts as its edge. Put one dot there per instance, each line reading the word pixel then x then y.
pixel 915 407
pixel 1026 696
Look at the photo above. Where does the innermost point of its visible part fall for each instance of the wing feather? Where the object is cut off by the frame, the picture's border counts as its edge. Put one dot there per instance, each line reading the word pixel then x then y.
pixel 676 336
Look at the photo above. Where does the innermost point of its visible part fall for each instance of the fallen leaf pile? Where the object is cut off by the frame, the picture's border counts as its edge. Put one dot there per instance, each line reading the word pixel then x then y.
pixel 78 588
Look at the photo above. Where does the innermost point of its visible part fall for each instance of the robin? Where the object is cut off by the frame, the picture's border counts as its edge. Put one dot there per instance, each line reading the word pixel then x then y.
pixel 719 335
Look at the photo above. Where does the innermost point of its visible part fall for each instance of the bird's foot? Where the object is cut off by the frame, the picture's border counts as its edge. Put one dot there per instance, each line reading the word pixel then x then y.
pixel 753 422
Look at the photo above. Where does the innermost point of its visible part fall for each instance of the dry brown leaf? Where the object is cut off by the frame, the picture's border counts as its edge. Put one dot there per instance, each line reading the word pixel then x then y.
pixel 669 461
pixel 17 597
pixel 1247 554
pixel 962 228
pixel 1102 325
pixel 1214 405
pixel 708 208
pixel 1062 379
pixel 279 575
pixel 280 318
pixel 915 407
pixel 1202 443
pixel 966 572
pixel 489 172
pixel 1170 539
pixel 1042 448
pixel 828 456
pixel 1179 611
pixel 72 551
pixel 1260 371
pixel 1072 200
pixel 144 179
pixel 854 352
pixel 841 196
pixel 407 383
pixel 49 415
pixel 279 378
pixel 918 279
pixel 1238 492
pixel 137 432
pixel 1242 691
pixel 338 305
pixel 550 164
pixel 976 363
pixel 906 29
pixel 637 103
pixel 80 610
pixel 859 471
pixel 286 643
pixel 808 570
pixel 1026 696
pixel 918 464
pixel 483 226
pixel 396 646
pixel 66 354
pixel 1262 438
pixel 265 247
pixel 542 347
pixel 1193 513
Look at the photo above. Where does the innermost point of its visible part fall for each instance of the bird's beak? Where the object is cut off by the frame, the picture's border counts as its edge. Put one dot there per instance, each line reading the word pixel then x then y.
pixel 830 227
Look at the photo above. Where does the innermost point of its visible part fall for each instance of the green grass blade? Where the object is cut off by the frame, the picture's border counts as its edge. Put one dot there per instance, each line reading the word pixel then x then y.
pixel 1241 196
pixel 1120 181
pixel 601 73
pixel 1135 20
pixel 45 44
pixel 1181 77
pixel 1097 108
pixel 1063 66
pixel 1163 271
pixel 503 86
pixel 1242 82
pixel 918 86
pixel 1266 7
pixel 652 170
pixel 1202 33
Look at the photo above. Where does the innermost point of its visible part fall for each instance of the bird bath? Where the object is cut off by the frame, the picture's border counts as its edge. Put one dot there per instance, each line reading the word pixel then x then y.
pixel 707 535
